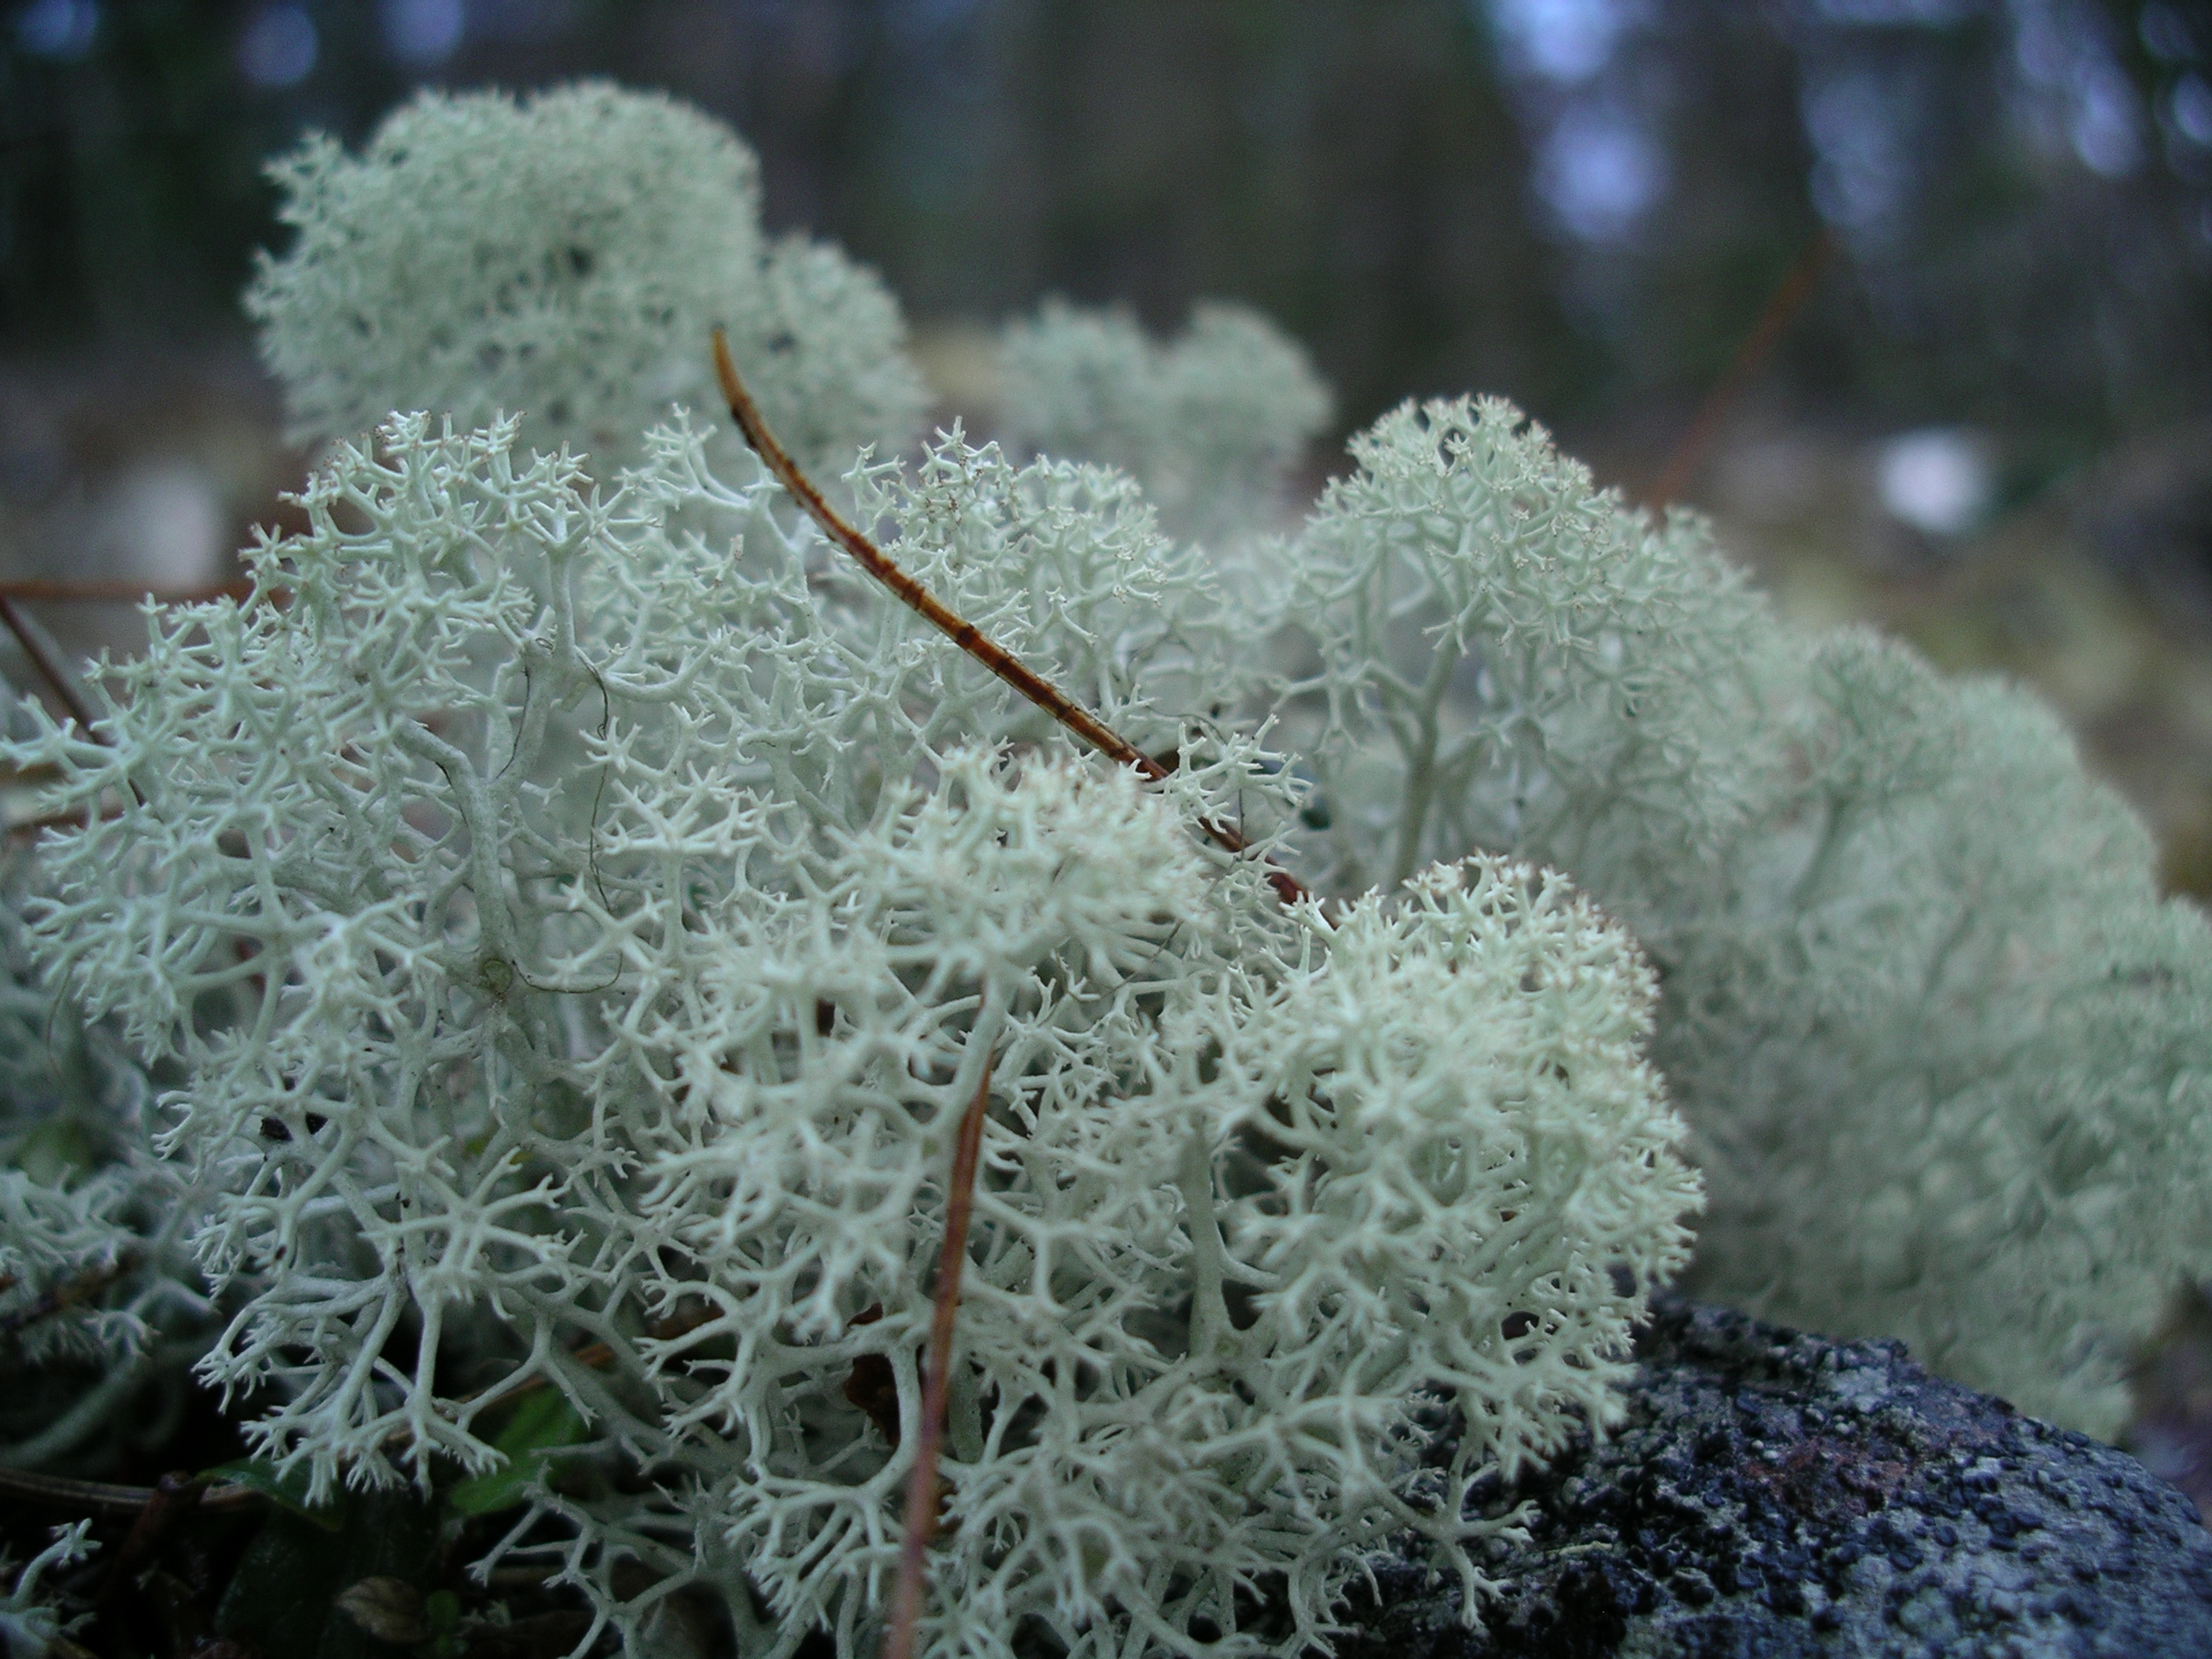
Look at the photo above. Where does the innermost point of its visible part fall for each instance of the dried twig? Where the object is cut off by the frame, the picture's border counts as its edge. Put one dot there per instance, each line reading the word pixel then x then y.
pixel 921 1488
pixel 174 1495
pixel 59 1492
pixel 39 647
pixel 592 1355
pixel 50 668
pixel 78 1288
pixel 60 821
pixel 958 629
pixel 1782 307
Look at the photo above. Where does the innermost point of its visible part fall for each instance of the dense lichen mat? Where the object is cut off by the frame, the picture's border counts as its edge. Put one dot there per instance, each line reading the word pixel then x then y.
pixel 498 999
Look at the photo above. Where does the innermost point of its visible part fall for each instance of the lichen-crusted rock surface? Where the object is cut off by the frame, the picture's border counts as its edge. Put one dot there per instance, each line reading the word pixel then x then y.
pixel 1775 1494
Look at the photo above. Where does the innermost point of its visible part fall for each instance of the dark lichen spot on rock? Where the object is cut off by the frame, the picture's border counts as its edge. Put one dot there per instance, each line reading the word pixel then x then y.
pixel 1774 1494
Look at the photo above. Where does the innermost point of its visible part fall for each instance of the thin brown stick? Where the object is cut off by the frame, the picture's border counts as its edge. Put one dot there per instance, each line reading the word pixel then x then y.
pixel 922 1486
pixel 80 1287
pixel 176 1494
pixel 1781 307
pixel 33 641
pixel 958 629
pixel 101 1497
pixel 501 1394
pixel 57 677
pixel 61 821
pixel 594 1355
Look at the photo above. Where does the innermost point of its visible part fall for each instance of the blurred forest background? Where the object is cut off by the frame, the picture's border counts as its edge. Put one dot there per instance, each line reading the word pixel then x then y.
pixel 1914 297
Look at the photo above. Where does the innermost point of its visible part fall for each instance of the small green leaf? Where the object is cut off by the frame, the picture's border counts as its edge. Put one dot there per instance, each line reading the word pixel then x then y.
pixel 287 1488
pixel 56 1152
pixel 443 1609
pixel 543 1422
pixel 542 1418
pixel 300 1592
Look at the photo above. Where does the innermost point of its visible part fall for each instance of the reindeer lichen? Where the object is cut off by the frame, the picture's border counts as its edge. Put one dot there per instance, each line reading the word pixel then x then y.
pixel 571 908
pixel 574 928
pixel 560 257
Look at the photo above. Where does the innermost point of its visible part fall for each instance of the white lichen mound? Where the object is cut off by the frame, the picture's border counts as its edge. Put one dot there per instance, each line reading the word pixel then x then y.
pixel 1482 650
pixel 1460 1120
pixel 1948 1051
pixel 576 930
pixel 1945 1051
pixel 1210 423
pixel 560 258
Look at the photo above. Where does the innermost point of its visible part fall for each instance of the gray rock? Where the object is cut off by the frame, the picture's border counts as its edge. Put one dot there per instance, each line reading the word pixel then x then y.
pixel 1774 1494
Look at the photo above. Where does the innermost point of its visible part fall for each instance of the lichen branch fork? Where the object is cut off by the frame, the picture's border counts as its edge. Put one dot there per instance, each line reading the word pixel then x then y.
pixel 962 633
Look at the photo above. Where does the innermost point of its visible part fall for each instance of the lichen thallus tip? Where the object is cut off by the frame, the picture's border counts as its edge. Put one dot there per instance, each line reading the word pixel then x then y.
pixel 958 629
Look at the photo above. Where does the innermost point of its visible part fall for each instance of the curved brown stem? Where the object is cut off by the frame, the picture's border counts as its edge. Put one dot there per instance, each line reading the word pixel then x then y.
pixel 921 1488
pixel 62 1491
pixel 67 1294
pixel 38 648
pixel 962 633
pixel 1781 308
pixel 49 669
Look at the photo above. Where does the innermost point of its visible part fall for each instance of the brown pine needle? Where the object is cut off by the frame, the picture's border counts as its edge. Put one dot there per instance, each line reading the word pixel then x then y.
pixel 958 629
pixel 594 1355
pixel 37 647
pixel 175 1495
pixel 62 1491
pixel 69 1292
pixel 50 670
pixel 1781 309
pixel 922 1486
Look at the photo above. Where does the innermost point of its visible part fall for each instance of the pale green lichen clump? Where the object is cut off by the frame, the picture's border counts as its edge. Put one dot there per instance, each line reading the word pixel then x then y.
pixel 1945 1052
pixel 567 924
pixel 578 907
pixel 559 258
pixel 1210 423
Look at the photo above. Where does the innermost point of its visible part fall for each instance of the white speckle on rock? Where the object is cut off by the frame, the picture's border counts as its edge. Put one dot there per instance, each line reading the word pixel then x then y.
pixel 1862 1388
